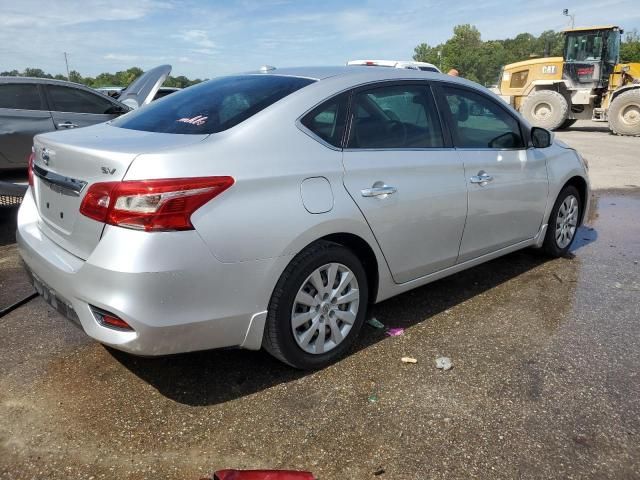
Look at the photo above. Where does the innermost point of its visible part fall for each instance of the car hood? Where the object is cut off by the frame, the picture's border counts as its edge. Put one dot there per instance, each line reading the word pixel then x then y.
pixel 143 89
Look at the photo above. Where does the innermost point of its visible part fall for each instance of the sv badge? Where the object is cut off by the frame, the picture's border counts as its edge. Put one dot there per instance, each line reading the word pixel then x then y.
pixel 108 171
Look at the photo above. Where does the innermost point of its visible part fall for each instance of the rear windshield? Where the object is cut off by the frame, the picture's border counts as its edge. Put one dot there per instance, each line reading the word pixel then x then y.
pixel 212 106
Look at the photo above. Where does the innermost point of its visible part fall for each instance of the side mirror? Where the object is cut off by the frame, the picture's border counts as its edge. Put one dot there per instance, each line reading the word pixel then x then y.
pixel 540 137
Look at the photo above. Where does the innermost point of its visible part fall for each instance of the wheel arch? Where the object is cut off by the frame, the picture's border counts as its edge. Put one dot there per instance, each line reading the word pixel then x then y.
pixel 361 248
pixel 616 93
pixel 581 185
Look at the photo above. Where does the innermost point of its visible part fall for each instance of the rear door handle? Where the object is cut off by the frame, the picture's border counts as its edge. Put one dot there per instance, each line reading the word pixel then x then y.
pixel 378 191
pixel 67 125
pixel 482 178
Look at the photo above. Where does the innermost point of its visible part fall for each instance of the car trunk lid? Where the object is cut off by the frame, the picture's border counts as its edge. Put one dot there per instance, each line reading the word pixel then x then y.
pixel 67 163
pixel 143 89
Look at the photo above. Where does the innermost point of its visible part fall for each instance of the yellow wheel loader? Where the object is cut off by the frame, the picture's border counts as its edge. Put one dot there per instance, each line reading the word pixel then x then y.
pixel 588 82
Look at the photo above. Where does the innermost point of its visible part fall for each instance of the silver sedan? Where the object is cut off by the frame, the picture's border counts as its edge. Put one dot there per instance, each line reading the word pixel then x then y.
pixel 272 209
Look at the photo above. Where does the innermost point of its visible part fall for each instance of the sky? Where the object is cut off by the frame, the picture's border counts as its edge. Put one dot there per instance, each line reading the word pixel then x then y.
pixel 204 39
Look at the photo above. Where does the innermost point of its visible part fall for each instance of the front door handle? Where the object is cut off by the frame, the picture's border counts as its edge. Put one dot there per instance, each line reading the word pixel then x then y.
pixel 482 178
pixel 67 125
pixel 378 191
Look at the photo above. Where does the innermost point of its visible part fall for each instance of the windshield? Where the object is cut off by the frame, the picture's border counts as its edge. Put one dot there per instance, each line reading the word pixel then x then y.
pixel 613 47
pixel 212 106
pixel 583 46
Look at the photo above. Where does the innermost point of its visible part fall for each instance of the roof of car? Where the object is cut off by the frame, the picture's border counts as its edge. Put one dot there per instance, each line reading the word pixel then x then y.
pixel 38 80
pixel 321 73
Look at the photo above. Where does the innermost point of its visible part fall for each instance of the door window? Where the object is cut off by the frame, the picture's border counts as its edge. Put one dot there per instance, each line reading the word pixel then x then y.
pixel 21 96
pixel 328 120
pixel 67 99
pixel 397 116
pixel 479 122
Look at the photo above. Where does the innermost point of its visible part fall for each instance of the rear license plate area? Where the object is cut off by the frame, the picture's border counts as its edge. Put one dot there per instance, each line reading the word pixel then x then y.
pixel 54 299
pixel 56 207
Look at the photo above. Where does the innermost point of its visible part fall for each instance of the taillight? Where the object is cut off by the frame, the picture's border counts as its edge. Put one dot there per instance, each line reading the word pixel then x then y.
pixel 30 167
pixel 151 205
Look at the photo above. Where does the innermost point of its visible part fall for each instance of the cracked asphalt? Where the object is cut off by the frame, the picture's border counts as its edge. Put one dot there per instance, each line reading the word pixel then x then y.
pixel 545 383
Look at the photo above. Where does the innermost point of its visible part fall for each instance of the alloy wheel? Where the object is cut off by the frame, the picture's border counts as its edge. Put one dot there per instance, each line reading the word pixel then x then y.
pixel 325 308
pixel 567 221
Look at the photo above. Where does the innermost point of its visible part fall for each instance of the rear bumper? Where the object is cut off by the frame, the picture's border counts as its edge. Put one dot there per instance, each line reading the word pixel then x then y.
pixel 168 286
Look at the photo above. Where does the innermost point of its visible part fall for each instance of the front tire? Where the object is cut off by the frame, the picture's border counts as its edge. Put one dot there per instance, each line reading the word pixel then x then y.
pixel 563 222
pixel 545 108
pixel 317 307
pixel 624 113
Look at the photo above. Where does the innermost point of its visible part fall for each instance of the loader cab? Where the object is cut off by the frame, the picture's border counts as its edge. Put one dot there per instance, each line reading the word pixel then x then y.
pixel 590 55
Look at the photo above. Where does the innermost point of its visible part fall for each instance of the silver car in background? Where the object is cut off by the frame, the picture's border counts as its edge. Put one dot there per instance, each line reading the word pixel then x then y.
pixel 271 209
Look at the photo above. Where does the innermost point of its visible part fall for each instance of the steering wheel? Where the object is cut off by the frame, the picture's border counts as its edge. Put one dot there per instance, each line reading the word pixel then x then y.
pixel 399 129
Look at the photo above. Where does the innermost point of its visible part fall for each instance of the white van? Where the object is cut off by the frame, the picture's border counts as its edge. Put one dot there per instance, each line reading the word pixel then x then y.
pixel 410 64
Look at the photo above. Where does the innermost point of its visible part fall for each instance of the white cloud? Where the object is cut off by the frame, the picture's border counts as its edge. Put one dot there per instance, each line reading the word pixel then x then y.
pixel 121 57
pixel 106 35
pixel 34 13
pixel 199 38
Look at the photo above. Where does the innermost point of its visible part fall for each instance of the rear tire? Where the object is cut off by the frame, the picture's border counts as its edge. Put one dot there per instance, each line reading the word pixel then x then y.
pixel 310 323
pixel 545 108
pixel 624 113
pixel 563 222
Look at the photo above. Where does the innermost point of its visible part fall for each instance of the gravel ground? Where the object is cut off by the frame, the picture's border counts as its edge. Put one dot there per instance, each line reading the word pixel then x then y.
pixel 613 160
pixel 545 382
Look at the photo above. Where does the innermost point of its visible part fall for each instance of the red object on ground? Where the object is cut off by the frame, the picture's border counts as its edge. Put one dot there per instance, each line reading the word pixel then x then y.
pixel 262 475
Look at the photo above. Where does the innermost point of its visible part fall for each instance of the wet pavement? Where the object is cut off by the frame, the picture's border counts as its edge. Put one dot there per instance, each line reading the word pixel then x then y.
pixel 545 383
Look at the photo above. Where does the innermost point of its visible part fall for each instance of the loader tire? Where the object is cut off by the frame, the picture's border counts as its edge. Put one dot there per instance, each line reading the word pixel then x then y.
pixel 545 108
pixel 624 113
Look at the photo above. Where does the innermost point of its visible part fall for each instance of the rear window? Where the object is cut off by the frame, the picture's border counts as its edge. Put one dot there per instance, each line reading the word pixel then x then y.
pixel 212 106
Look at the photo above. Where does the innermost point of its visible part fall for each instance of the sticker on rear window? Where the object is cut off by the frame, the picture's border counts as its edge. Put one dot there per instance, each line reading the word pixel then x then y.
pixel 197 120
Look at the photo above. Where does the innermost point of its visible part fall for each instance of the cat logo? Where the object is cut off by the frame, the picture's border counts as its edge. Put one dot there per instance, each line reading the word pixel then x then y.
pixel 549 69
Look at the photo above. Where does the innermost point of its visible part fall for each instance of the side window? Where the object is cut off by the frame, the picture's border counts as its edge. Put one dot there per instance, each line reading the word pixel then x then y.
pixel 328 120
pixel 67 99
pixel 397 116
pixel 479 122
pixel 21 96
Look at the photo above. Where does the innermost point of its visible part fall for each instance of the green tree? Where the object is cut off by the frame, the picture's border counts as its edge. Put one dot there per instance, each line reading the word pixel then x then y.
pixel 550 44
pixel 630 48
pixel 74 76
pixel 426 53
pixel 35 72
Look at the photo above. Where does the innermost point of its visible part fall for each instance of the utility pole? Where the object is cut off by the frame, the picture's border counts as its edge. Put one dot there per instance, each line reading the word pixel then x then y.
pixel 67 64
pixel 572 16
